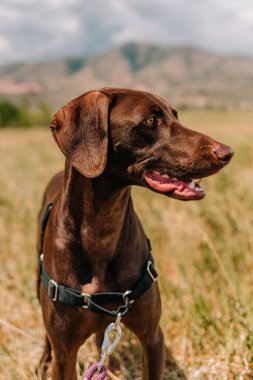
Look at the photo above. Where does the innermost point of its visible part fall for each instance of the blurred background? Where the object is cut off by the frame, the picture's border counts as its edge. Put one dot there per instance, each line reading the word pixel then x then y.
pixel 199 57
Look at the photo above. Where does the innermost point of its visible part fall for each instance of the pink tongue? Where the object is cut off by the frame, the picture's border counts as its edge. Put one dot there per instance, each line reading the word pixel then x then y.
pixel 159 177
pixel 163 184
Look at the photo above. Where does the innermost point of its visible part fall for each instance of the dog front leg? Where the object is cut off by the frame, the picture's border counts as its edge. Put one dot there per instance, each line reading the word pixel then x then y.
pixel 64 364
pixel 153 355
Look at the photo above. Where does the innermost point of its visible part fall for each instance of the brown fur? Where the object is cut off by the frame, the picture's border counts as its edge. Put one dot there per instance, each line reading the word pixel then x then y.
pixel 94 241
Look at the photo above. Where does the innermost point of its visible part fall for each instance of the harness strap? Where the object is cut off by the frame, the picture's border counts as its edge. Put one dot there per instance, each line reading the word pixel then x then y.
pixel 93 302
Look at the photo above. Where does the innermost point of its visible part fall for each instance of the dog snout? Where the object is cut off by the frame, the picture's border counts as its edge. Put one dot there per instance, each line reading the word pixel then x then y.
pixel 224 153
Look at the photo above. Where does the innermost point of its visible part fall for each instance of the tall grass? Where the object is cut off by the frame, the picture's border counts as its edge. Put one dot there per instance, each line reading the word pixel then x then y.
pixel 203 251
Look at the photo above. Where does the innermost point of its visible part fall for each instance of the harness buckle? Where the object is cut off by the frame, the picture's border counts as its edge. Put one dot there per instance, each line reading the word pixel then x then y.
pixel 126 299
pixel 52 290
pixel 151 271
pixel 86 298
pixel 125 296
pixel 123 309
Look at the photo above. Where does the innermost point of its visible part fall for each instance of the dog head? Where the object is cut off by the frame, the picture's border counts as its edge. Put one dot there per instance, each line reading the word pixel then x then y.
pixel 137 138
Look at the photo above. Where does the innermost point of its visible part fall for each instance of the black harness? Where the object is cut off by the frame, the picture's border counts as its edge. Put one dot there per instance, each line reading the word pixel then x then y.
pixel 93 302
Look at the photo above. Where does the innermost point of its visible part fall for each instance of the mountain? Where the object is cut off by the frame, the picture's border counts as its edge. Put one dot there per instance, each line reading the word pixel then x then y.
pixel 183 75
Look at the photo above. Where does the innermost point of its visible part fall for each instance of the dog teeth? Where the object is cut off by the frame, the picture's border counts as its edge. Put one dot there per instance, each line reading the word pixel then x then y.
pixel 199 189
pixel 166 176
pixel 198 181
pixel 192 185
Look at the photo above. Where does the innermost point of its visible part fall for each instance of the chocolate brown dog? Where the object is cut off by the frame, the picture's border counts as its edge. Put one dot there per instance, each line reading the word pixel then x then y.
pixel 94 242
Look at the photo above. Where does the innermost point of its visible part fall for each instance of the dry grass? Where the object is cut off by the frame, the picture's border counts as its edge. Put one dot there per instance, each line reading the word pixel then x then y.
pixel 203 251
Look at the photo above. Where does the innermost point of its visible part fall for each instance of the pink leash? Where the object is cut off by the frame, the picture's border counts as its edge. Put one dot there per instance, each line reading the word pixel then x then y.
pixel 92 369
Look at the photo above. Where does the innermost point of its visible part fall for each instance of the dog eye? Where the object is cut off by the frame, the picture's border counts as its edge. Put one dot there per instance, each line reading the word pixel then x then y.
pixel 150 121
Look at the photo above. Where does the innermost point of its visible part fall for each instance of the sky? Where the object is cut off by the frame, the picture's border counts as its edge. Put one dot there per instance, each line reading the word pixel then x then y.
pixel 52 29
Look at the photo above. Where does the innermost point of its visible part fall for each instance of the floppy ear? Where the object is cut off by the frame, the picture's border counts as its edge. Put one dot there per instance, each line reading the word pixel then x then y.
pixel 80 129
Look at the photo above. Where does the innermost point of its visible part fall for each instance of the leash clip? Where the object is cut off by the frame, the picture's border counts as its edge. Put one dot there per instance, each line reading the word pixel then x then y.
pixel 109 346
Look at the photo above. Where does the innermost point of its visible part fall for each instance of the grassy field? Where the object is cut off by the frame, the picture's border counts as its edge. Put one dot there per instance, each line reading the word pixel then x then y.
pixel 203 251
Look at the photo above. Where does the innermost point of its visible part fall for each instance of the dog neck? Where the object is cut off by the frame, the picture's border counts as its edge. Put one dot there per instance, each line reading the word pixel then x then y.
pixel 94 212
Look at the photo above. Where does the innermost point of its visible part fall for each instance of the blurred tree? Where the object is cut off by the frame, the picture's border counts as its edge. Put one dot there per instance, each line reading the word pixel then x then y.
pixel 21 116
pixel 9 114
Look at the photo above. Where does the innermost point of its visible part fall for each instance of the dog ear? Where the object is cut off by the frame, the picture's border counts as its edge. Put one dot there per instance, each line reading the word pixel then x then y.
pixel 81 131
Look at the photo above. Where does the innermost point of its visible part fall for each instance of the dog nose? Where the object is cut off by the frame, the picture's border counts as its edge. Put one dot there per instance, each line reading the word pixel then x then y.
pixel 224 153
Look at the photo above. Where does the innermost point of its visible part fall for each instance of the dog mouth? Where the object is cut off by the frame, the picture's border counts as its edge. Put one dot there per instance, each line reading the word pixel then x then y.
pixel 189 189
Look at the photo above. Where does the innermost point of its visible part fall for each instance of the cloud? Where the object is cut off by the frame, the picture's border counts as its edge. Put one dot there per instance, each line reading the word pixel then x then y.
pixel 3 45
pixel 33 29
